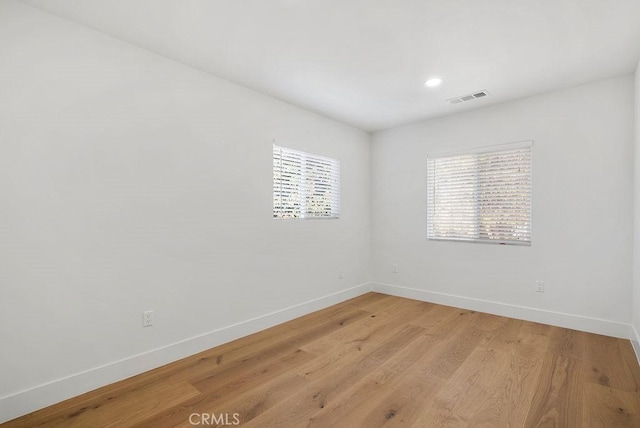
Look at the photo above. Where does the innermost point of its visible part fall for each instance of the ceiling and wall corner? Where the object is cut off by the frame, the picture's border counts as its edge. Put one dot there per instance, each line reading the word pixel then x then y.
pixel 364 63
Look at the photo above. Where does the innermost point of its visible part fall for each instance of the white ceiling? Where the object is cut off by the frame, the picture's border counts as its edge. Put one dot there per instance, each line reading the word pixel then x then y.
pixel 364 62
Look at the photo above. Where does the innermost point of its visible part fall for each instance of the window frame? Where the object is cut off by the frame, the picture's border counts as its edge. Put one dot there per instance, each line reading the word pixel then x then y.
pixel 305 192
pixel 527 144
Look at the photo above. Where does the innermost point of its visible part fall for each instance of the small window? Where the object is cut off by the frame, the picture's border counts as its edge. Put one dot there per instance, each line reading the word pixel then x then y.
pixel 481 196
pixel 305 185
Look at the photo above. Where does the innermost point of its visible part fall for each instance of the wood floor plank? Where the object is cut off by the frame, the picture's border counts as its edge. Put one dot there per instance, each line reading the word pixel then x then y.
pixel 402 406
pixel 559 398
pixel 463 393
pixel 630 360
pixel 456 353
pixel 379 360
pixel 301 409
pixel 606 368
pixel 375 394
pixel 568 343
pixel 441 320
pixel 610 407
pixel 358 339
pixel 507 396
pixel 242 377
pixel 358 333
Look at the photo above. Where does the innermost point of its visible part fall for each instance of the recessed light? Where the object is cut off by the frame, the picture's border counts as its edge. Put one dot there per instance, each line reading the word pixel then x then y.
pixel 433 82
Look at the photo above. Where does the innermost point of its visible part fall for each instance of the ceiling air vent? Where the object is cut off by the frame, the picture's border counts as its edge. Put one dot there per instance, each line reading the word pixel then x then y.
pixel 468 97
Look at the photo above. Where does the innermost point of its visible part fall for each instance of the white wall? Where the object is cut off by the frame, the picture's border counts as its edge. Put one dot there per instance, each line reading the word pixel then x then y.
pixel 636 218
pixel 130 182
pixel 582 211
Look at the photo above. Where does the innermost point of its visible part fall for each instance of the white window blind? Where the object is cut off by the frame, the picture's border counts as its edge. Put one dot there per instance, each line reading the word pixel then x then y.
pixel 481 196
pixel 305 185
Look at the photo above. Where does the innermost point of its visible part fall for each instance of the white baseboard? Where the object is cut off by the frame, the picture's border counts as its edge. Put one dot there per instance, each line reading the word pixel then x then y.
pixel 635 342
pixel 32 399
pixel 575 322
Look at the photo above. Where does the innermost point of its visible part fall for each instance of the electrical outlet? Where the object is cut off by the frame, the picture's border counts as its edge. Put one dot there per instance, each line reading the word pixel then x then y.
pixel 147 319
pixel 395 268
pixel 540 286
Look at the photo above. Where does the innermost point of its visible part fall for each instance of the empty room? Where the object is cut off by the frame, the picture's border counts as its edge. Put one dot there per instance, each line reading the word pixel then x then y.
pixel 319 213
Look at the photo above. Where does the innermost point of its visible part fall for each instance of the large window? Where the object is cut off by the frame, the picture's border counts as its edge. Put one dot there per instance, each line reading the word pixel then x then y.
pixel 481 196
pixel 305 185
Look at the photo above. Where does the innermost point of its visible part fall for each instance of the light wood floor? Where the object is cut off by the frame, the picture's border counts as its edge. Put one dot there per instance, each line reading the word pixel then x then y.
pixel 379 360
